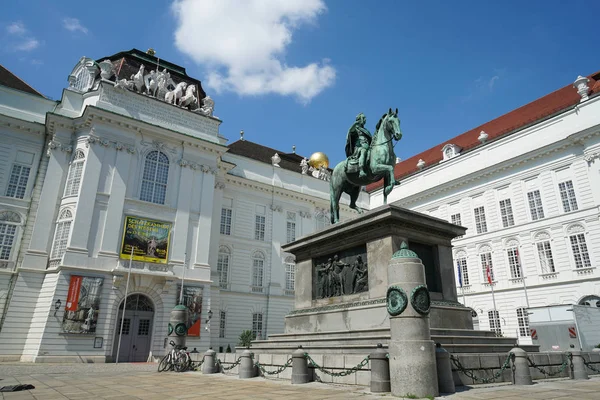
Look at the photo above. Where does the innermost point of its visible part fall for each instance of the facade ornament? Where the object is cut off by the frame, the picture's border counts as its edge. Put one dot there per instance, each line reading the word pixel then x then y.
pixel 104 143
pixel 219 185
pixel 575 228
pixel 183 163
pixel 541 236
pixel 275 160
pixel 242 135
pixel 323 174
pixel 119 146
pixel 483 137
pixel 581 84
pixel 450 151
pixel 420 164
pixel 591 157
pixel 173 96
pixel 205 168
pixel 305 214
pixel 138 79
pixel 91 140
pixel 189 98
pixel 106 69
pixel 158 145
pixel 131 149
pixel 214 171
pixel 151 83
pixel 194 166
pixel 294 149
pixel 54 144
pixel 124 84
pixel 277 208
pixel 304 166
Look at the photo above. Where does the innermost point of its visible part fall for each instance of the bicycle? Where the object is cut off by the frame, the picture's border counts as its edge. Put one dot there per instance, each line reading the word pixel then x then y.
pixel 177 359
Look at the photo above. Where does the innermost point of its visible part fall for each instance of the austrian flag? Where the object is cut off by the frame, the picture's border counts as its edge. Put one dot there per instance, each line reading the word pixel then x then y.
pixel 488 274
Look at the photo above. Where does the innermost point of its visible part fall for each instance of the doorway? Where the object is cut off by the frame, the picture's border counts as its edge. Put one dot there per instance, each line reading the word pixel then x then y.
pixel 137 329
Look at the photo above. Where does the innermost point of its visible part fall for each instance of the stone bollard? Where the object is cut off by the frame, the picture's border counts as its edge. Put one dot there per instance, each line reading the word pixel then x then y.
pixel 380 370
pixel 412 352
pixel 247 369
pixel 299 367
pixel 578 368
pixel 209 365
pixel 444 370
pixel 521 372
pixel 177 328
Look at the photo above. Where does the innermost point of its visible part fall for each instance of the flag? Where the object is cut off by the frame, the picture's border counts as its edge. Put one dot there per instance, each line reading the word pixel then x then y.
pixel 488 273
pixel 459 274
pixel 519 262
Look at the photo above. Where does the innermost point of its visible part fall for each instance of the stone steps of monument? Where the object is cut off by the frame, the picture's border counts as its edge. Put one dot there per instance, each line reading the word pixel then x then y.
pixel 461 332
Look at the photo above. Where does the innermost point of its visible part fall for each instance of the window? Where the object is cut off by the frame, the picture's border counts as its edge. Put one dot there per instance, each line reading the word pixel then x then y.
pixel 61 235
pixel 464 271
pixel 259 228
pixel 82 80
pixel 486 260
pixel 8 232
pixel 506 213
pixel 225 221
pixel 154 179
pixel 523 319
pixel 222 322
pixel 545 256
pixel 567 195
pixel 535 205
pixel 455 219
pixel 291 227
pixel 580 251
pixel 480 223
pixel 223 266
pixel 494 317
pixel 19 175
pixel 290 273
pixel 75 173
pixel 144 327
pixel 257 325
pixel 513 263
pixel 322 219
pixel 258 264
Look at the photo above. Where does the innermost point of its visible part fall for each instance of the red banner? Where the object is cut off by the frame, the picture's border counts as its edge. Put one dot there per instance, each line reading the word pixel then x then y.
pixel 73 296
pixel 194 330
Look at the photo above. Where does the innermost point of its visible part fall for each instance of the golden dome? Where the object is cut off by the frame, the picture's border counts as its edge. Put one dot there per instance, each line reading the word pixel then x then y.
pixel 318 160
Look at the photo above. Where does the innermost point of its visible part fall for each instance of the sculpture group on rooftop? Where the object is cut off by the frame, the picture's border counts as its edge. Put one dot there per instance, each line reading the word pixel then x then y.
pixel 336 278
pixel 160 85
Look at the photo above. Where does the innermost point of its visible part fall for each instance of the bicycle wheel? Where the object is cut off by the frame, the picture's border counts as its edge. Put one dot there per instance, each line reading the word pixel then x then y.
pixel 182 362
pixel 165 363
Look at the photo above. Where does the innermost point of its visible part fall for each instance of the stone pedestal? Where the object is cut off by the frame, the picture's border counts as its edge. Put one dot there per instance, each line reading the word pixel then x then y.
pixel 413 368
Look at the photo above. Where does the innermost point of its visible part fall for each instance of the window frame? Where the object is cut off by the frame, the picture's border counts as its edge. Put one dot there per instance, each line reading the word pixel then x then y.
pixel 547 250
pixel 75 174
pixel 18 189
pixel 568 196
pixel 512 255
pixel 148 185
pixel 536 205
pixel 585 261
pixel 290 274
pixel 260 224
pixel 258 270
pixel 506 213
pixel 290 227
pixel 257 324
pixel 226 219
pixel 523 322
pixel 480 220
pixel 64 225
pixel 223 254
pixel 488 259
pixel 494 321
pixel 12 221
pixel 464 270
pixel 222 323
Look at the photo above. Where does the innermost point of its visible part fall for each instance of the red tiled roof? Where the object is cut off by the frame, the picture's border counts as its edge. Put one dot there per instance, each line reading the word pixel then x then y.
pixel 543 107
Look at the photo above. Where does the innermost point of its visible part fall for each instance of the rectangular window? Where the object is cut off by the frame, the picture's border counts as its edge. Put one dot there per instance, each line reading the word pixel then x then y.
pixel 513 263
pixel 223 269
pixel 486 260
pixel 290 276
pixel 291 231
pixel 580 251
pixel 257 272
pixel 535 205
pixel 74 178
pixel 19 175
pixel 480 223
pixel 523 319
pixel 7 238
pixel 545 256
pixel 494 317
pixel 222 322
pixel 225 221
pixel 506 213
pixel 567 195
pixel 462 263
pixel 257 326
pixel 455 219
pixel 61 238
pixel 259 228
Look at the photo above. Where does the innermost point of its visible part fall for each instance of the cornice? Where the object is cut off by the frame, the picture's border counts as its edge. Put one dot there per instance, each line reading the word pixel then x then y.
pixel 21 125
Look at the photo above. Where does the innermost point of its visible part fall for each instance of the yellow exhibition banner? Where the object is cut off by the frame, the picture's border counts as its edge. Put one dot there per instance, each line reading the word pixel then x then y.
pixel 148 238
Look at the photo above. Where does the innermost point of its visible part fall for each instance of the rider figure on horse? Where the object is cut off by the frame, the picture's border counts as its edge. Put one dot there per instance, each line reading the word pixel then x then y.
pixel 358 141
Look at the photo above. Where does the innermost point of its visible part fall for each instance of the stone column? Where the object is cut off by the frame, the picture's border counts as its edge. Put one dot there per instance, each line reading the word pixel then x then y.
pixel 412 352
pixel 447 270
pixel 182 219
pixel 205 223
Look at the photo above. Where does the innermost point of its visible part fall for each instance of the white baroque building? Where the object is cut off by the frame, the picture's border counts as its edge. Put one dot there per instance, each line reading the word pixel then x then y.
pixel 527 187
pixel 130 167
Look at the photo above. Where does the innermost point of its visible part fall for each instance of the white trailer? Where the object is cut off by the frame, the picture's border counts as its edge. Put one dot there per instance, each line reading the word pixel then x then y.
pixel 556 328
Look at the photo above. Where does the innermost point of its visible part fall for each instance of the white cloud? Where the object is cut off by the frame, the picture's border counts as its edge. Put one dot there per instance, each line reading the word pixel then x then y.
pixel 74 25
pixel 22 40
pixel 242 44
pixel 27 44
pixel 16 28
pixel 492 81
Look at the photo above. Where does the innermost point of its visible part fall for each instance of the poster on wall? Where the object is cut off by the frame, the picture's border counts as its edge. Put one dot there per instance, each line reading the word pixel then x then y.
pixel 148 238
pixel 83 305
pixel 192 299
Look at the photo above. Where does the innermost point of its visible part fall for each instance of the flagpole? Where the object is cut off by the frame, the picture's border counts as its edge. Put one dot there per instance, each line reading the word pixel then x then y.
pixel 124 305
pixel 522 278
pixel 488 272
pixel 182 277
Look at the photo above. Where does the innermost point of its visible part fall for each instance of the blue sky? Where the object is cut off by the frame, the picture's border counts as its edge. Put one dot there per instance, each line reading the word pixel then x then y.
pixel 298 71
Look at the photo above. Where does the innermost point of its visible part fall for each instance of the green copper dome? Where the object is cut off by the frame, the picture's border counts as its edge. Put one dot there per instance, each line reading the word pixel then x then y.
pixel 405 252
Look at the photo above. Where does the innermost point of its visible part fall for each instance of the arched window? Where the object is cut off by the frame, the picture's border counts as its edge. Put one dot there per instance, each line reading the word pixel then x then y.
pixel 9 221
pixel 61 235
pixel 223 266
pixel 258 269
pixel 290 273
pixel 154 179
pixel 590 301
pixel 75 173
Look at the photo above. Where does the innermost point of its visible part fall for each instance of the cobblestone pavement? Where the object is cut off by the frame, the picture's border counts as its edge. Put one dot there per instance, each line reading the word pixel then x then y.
pixel 141 381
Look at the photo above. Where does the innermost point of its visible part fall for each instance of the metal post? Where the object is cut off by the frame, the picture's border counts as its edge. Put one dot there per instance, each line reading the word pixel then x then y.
pixel 124 305
pixel 182 277
pixel 523 278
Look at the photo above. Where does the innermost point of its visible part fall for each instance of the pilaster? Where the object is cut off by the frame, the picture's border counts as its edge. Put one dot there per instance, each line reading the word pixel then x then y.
pixel 205 223
pixel 182 218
